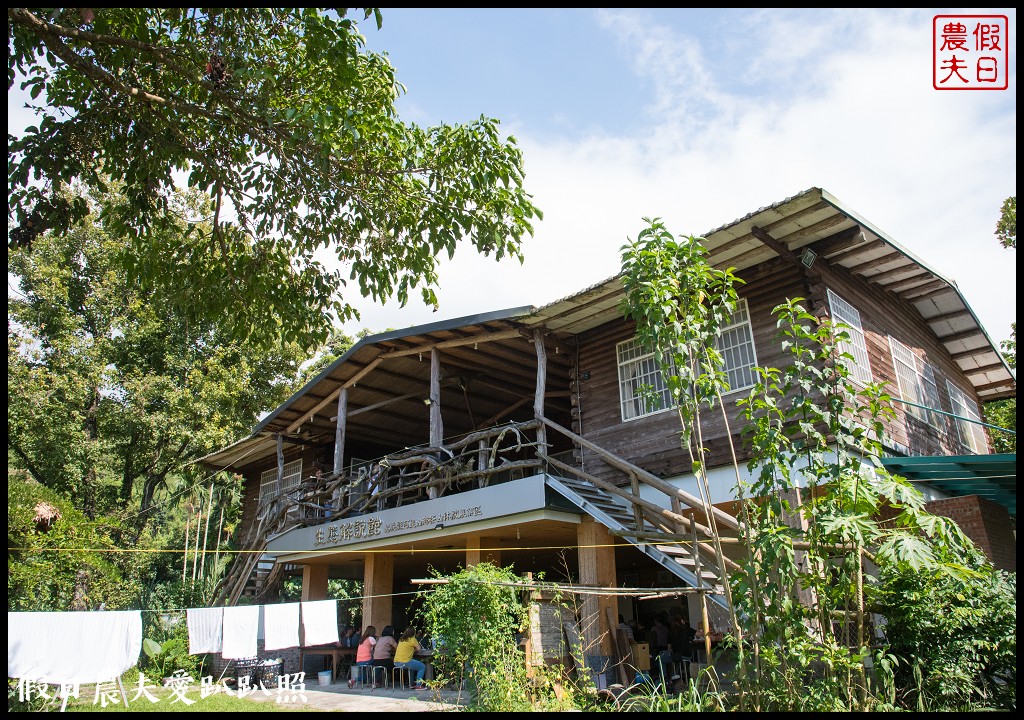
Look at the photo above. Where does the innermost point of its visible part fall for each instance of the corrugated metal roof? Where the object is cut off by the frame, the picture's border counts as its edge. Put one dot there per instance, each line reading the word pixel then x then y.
pixel 810 217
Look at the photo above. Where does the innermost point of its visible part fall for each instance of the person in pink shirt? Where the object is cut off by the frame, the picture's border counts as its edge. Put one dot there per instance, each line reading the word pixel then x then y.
pixel 364 652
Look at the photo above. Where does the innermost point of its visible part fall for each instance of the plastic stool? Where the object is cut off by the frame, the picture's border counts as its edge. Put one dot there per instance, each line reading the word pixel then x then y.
pixel 361 674
pixel 405 676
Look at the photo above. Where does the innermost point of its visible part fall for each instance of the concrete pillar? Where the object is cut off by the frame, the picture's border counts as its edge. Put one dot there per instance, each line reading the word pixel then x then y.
pixel 597 568
pixel 378 580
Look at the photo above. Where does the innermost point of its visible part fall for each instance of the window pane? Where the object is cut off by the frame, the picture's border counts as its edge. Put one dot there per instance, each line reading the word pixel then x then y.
pixel 844 312
pixel 972 435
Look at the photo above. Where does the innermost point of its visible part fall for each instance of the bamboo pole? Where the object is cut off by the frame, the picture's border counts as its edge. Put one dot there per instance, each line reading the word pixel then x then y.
pixel 220 534
pixel 184 555
pixel 206 532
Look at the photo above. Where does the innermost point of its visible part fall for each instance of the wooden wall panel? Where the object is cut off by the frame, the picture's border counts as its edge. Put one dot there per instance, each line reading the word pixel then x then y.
pixel 652 442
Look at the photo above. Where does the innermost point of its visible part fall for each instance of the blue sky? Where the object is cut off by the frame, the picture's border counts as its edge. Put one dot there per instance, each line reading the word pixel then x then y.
pixel 699 117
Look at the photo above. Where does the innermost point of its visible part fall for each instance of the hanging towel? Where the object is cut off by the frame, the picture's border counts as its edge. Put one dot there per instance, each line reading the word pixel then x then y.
pixel 240 625
pixel 281 626
pixel 72 647
pixel 319 622
pixel 205 628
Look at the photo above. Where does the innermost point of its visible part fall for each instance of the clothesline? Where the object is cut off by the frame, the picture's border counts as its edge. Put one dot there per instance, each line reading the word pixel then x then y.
pixel 354 597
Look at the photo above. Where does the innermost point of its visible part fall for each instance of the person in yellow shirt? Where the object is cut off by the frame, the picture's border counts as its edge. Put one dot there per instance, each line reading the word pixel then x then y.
pixel 407 647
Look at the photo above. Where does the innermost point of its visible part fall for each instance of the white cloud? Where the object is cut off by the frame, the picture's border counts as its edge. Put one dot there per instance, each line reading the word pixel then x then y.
pixel 841 100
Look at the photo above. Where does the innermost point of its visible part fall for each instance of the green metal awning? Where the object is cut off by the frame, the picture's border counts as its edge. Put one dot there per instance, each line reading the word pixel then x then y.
pixel 993 477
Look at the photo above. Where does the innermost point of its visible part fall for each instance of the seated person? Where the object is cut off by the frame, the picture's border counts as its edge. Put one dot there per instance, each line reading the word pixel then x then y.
pixel 384 650
pixel 364 652
pixel 407 647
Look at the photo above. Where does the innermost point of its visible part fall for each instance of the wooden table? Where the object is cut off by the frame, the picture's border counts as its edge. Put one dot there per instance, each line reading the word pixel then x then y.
pixel 337 654
pixel 426 657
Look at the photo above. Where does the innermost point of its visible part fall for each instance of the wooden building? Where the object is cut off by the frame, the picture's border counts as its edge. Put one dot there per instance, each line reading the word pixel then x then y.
pixel 515 436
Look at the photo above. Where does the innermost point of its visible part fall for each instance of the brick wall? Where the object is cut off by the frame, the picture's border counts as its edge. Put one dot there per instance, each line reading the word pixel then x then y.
pixel 987 523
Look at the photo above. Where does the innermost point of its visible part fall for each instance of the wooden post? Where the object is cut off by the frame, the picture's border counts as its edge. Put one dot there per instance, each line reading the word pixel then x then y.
pixel 482 549
pixel 472 551
pixel 704 621
pixel 339 432
pixel 597 568
pixel 538 397
pixel 280 461
pixel 314 582
pixel 378 581
pixel 638 515
pixel 436 425
pixel 481 461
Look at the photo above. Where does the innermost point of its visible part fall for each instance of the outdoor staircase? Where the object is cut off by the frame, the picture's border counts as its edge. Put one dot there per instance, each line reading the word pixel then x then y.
pixel 261 573
pixel 615 514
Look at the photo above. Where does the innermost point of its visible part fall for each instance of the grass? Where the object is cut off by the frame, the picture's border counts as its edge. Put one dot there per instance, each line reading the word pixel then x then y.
pixel 168 701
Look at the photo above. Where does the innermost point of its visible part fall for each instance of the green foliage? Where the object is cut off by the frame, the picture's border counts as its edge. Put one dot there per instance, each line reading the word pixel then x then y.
pixel 817 536
pixel 953 637
pixel 679 302
pixel 282 119
pixel 60 565
pixel 474 618
pixel 1006 228
pixel 165 650
pixel 111 394
pixel 1003 413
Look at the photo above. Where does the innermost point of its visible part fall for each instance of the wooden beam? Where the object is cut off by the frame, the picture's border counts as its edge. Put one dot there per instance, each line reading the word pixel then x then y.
pixel 303 441
pixel 781 250
pixel 507 411
pixel 957 315
pixel 729 244
pixel 983 369
pixel 330 398
pixel 538 396
pixel 468 340
pixel 972 352
pixel 914 280
pixel 928 290
pixel 838 241
pixel 870 245
pixel 1008 383
pixel 787 240
pixel 962 335
pixel 339 432
pixel 877 262
pixel 896 272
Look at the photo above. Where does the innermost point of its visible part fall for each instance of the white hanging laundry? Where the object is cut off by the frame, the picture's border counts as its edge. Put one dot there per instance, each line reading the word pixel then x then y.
pixel 281 626
pixel 240 625
pixel 72 647
pixel 319 622
pixel 205 629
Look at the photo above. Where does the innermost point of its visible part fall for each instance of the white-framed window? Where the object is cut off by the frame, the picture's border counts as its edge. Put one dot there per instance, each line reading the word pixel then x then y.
pixel 972 435
pixel 289 481
pixel 638 368
pixel 736 346
pixel 844 312
pixel 917 384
